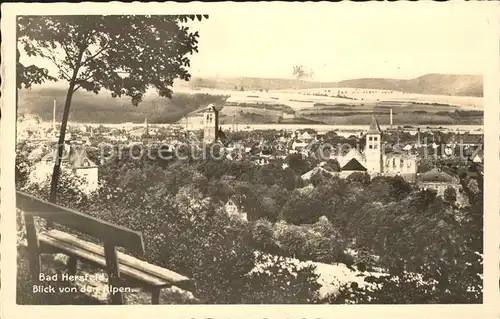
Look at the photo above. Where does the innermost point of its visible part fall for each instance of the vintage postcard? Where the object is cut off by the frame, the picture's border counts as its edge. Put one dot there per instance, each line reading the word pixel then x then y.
pixel 312 158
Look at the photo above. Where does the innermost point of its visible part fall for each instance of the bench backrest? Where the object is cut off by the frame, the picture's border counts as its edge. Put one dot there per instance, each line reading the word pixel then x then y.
pixel 107 232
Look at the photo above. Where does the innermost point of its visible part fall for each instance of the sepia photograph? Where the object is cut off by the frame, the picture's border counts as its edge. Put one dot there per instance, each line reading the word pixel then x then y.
pixel 239 157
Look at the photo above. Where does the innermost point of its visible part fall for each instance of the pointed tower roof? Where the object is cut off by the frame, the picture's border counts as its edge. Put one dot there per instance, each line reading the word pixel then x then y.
pixel 374 127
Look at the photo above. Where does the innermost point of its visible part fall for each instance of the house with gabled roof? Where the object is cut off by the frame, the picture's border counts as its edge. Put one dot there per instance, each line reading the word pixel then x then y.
pixel 478 156
pixel 75 161
pixel 351 162
pixel 298 144
pixel 439 180
pixel 234 208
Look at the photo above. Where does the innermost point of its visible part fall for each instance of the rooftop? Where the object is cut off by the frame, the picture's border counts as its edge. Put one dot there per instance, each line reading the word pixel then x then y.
pixel 374 127
pixel 436 176
pixel 74 156
pixel 208 108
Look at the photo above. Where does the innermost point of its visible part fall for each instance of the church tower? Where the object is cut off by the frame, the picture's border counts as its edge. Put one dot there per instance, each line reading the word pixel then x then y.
pixel 209 124
pixel 373 151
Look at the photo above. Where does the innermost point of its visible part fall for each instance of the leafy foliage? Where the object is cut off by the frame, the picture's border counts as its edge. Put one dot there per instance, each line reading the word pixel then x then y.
pixel 31 74
pixel 96 49
pixel 450 195
pixel 431 256
pixel 124 54
pixel 299 283
pixel 428 255
pixel 186 231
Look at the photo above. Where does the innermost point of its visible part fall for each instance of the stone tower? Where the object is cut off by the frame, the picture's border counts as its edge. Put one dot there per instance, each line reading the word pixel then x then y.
pixel 373 151
pixel 209 124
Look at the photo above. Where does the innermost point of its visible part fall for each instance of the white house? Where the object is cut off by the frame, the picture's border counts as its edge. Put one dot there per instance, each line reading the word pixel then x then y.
pixel 233 208
pixel 397 164
pixel 439 181
pixel 477 158
pixel 299 144
pixel 74 161
pixel 306 136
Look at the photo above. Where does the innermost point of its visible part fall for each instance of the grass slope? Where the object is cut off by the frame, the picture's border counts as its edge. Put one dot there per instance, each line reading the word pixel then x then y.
pixel 102 108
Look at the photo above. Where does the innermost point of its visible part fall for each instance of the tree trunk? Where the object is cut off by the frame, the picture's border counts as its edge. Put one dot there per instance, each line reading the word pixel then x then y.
pixel 60 144
pixel 384 245
pixel 17 114
pixel 216 125
pixel 64 122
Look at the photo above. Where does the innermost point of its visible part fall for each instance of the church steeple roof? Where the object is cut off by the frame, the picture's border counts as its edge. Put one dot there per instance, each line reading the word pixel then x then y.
pixel 374 127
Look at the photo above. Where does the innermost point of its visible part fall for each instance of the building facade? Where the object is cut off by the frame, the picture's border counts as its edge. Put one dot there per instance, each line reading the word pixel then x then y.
pixel 373 151
pixel 233 209
pixel 209 124
pixel 74 161
pixel 404 165
pixel 375 161
pixel 439 181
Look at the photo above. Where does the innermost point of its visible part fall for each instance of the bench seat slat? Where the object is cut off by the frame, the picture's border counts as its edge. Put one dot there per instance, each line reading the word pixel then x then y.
pixel 99 260
pixel 154 270
pixel 123 258
pixel 95 227
pixel 129 266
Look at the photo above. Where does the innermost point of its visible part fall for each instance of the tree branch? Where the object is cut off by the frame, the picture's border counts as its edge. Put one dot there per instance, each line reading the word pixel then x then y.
pixel 77 68
pixel 95 55
pixel 78 82
pixel 89 36
pixel 65 48
pixel 51 58
pixel 87 78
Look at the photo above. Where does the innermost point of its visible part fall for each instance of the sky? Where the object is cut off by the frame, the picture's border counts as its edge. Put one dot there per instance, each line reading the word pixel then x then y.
pixel 339 42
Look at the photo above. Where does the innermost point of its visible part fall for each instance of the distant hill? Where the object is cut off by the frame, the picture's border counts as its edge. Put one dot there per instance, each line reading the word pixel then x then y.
pixel 249 84
pixel 439 84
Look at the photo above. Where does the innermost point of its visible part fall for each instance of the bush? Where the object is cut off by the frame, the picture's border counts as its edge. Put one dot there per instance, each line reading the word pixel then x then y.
pixel 281 281
pixel 407 289
pixel 263 236
pixel 178 208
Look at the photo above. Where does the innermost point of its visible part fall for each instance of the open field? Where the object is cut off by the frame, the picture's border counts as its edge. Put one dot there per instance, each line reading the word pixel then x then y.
pixel 437 84
pixel 324 105
pixel 372 95
pixel 352 129
pixel 303 99
pixel 328 105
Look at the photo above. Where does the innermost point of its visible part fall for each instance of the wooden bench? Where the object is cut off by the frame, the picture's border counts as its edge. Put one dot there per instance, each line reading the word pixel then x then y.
pixel 117 264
